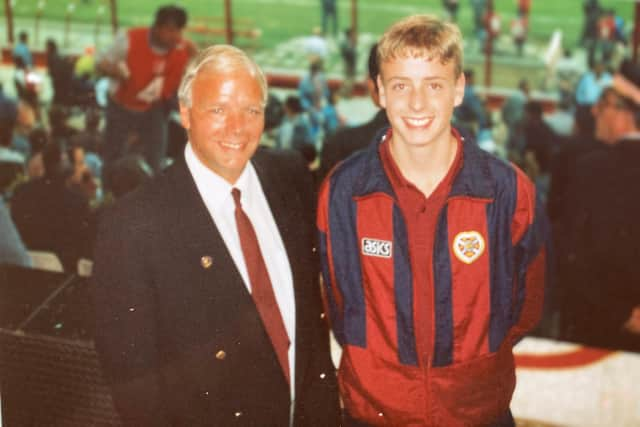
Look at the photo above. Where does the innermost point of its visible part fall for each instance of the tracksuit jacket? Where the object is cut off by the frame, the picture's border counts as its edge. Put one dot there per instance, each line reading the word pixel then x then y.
pixel 488 272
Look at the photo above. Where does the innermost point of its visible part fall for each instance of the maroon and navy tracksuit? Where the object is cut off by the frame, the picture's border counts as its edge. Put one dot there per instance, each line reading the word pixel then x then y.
pixel 427 317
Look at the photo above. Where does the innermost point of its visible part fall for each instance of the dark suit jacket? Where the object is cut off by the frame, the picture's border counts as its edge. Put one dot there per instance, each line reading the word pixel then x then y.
pixel 346 141
pixel 603 228
pixel 182 343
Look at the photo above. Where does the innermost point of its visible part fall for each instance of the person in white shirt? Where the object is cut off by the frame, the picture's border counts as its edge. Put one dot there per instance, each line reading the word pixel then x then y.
pixel 181 326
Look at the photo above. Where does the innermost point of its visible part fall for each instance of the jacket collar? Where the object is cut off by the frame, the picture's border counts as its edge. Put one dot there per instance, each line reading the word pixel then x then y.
pixel 473 180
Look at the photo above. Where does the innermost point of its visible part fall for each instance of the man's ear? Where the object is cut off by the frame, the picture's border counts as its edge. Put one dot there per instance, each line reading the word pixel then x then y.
pixel 459 89
pixel 184 116
pixel 382 97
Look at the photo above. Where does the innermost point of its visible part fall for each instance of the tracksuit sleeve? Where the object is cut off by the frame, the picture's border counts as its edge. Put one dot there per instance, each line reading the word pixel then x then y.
pixel 532 241
pixel 331 296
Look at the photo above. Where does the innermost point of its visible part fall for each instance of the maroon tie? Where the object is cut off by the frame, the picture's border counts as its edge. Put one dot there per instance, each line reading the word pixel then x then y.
pixel 261 288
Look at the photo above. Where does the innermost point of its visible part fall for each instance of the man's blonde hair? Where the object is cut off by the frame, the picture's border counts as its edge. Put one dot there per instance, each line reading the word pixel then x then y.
pixel 420 36
pixel 224 59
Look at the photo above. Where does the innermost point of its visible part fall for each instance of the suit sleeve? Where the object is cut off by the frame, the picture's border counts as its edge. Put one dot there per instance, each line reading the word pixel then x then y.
pixel 126 330
pixel 531 237
pixel 318 402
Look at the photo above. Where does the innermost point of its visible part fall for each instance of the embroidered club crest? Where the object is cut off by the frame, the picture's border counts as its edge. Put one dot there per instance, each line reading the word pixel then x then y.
pixel 468 246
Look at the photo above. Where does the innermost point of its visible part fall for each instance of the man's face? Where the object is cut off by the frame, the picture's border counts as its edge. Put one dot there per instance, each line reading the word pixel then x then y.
pixel 612 120
pixel 225 120
pixel 419 96
pixel 168 36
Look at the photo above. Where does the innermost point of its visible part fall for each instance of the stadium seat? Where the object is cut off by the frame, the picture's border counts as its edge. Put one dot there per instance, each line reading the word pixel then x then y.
pixel 44 260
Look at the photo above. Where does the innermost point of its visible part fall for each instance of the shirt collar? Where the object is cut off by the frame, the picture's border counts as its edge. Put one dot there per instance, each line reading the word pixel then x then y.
pixel 473 179
pixel 215 189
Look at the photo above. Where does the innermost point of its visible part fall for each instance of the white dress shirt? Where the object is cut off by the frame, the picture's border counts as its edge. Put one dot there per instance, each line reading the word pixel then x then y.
pixel 216 194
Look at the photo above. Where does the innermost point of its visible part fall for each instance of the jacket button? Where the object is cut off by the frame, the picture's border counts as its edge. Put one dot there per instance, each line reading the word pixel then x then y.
pixel 380 414
pixel 206 261
pixel 322 315
pixel 238 414
pixel 220 355
pixel 323 376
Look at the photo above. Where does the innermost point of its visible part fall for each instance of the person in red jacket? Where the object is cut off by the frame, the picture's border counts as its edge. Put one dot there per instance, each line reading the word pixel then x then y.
pixel 145 65
pixel 433 251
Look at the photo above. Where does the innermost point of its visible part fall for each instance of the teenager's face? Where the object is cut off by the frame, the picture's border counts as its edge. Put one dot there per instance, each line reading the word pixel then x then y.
pixel 419 95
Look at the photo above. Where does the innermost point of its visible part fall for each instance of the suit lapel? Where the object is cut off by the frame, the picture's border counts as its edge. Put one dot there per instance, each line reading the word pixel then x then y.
pixel 192 224
pixel 189 211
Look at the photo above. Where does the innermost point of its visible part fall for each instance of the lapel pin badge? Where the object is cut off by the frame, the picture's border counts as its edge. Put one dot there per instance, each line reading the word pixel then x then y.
pixel 206 261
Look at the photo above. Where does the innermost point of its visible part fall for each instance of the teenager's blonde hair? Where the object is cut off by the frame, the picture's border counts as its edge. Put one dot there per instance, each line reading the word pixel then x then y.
pixel 420 36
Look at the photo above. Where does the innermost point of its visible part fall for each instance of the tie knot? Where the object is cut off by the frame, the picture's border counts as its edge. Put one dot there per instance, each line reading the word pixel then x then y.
pixel 236 197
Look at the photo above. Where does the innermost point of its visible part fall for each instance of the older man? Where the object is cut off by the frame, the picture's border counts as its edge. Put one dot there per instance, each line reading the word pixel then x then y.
pixel 207 301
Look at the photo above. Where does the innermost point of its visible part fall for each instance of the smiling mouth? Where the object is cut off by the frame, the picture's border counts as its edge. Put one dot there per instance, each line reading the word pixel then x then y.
pixel 231 145
pixel 413 122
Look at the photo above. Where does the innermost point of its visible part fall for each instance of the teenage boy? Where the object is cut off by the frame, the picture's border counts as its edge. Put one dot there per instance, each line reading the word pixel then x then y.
pixel 433 251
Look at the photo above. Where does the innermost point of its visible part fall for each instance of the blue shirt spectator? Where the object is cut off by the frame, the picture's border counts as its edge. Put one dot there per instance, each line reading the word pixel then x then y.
pixel 21 50
pixel 12 249
pixel 591 85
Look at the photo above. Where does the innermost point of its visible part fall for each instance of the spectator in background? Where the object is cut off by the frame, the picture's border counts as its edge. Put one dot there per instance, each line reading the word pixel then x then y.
pixel 512 115
pixel 589 89
pixel 331 119
pixel 295 130
pixel 90 138
pixel 524 8
pixel 540 144
pixel 607 36
pixel 348 51
pixel 8 120
pixel 81 179
pixel 519 31
pixel 21 50
pixel 8 154
pixel 592 11
pixel 129 173
pixel 60 129
pixel 12 248
pixel 60 70
pixel 274 115
pixel 470 116
pixel 601 216
pixel 38 139
pixel 479 10
pixel 85 65
pixel 329 17
pixel 562 118
pixel 146 65
pixel 451 7
pixel 28 84
pixel 8 107
pixel 568 73
pixel 52 217
pixel 492 24
pixel 314 93
pixel 346 141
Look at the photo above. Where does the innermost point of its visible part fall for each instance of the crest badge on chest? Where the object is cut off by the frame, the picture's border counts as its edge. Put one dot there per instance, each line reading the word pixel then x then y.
pixel 468 246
